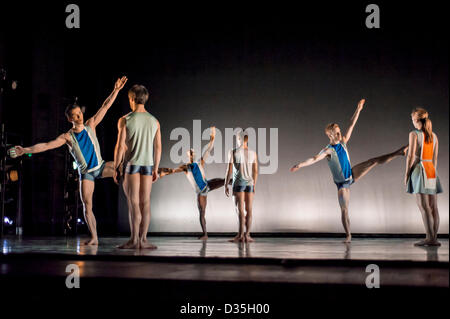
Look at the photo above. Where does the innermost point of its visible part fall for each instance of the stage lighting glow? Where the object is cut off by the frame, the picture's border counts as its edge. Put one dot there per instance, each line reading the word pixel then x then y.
pixel 14 85
pixel 8 221
pixel 74 165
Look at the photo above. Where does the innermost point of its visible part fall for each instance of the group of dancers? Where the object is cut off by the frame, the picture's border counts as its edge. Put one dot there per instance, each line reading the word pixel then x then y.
pixel 137 157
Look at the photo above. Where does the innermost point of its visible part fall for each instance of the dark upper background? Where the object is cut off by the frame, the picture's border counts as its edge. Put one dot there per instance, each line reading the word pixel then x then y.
pixel 293 67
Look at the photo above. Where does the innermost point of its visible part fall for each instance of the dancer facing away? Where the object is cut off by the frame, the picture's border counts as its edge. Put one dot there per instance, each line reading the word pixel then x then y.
pixel 195 173
pixel 84 147
pixel 421 176
pixel 243 168
pixel 138 151
pixel 339 162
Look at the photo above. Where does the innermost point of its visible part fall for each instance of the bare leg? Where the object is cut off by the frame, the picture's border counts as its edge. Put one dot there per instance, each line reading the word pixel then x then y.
pixel 87 190
pixel 344 199
pixel 239 206
pixel 132 181
pixel 201 203
pixel 144 204
pixel 215 183
pixel 361 169
pixel 248 217
pixel 432 200
pixel 425 209
pixel 108 170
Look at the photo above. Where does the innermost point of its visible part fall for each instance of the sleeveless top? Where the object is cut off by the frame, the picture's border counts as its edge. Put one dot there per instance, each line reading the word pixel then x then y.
pixel 243 160
pixel 196 176
pixel 85 150
pixel 141 128
pixel 339 162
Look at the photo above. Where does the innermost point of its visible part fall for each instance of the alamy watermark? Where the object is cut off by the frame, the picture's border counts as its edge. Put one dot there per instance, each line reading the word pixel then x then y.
pixel 373 279
pixel 265 146
pixel 73 279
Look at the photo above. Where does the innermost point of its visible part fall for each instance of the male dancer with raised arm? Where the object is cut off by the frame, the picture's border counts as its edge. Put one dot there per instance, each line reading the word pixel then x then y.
pixel 339 162
pixel 195 173
pixel 84 147
pixel 243 169
pixel 138 149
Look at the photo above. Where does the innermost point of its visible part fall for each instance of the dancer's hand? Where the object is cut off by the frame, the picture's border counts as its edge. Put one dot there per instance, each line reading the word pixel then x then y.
pixel 227 191
pixel 18 150
pixel 212 133
pixel 116 176
pixel 155 176
pixel 120 83
pixel 361 105
pixel 295 168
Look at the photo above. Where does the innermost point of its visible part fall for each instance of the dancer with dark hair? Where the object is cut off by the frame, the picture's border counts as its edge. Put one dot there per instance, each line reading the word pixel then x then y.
pixel 138 151
pixel 343 173
pixel 421 176
pixel 84 147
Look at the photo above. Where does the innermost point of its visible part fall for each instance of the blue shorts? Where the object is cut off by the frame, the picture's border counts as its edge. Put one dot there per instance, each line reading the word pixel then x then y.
pixel 143 170
pixel 92 176
pixel 345 184
pixel 243 188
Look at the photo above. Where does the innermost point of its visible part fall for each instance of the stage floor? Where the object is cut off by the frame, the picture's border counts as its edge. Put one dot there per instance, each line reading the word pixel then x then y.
pixel 307 249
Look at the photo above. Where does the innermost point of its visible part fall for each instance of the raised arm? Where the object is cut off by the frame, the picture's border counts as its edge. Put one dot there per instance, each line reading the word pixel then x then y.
pixel 210 145
pixel 353 121
pixel 98 117
pixel 411 153
pixel 157 149
pixel 228 173
pixel 42 147
pixel 310 161
pixel 120 148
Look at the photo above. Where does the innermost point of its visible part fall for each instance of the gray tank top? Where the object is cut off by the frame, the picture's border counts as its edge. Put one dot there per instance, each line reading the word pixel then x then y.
pixel 141 128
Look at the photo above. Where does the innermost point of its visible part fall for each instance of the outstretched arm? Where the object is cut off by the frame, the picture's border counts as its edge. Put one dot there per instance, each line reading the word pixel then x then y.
pixel 41 147
pixel 98 117
pixel 312 160
pixel 411 153
pixel 157 149
pixel 353 120
pixel 228 173
pixel 119 150
pixel 210 145
pixel 163 171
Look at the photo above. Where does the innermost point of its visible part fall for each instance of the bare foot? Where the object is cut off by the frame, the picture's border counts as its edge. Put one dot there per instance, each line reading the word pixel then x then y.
pixel 91 242
pixel 146 245
pixel 129 245
pixel 433 243
pixel 348 239
pixel 422 242
pixel 249 239
pixel 237 239
pixel 204 237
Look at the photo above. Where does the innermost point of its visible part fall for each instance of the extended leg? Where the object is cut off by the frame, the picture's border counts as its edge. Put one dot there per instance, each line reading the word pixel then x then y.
pixel 145 190
pixel 201 203
pixel 425 209
pixel 248 217
pixel 239 207
pixel 363 168
pixel 344 199
pixel 87 190
pixel 215 183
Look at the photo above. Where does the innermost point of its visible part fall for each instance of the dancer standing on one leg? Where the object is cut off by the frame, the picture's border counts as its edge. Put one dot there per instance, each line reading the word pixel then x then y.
pixel 195 173
pixel 421 176
pixel 339 162
pixel 84 147
pixel 243 166
pixel 138 149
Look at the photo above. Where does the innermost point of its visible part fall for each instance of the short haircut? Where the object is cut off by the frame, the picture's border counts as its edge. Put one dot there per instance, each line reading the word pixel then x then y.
pixel 245 137
pixel 139 94
pixel 330 127
pixel 69 109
